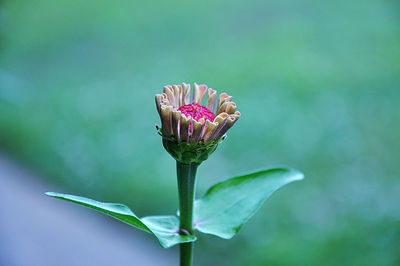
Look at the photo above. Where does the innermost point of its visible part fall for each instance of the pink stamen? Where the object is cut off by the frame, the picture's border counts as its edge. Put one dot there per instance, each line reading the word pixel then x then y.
pixel 196 112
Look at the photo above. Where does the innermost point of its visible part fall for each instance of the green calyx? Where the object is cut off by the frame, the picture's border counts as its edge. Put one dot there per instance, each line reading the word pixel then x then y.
pixel 188 153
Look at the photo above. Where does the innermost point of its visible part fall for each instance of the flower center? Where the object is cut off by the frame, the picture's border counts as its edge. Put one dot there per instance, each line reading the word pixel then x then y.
pixel 196 112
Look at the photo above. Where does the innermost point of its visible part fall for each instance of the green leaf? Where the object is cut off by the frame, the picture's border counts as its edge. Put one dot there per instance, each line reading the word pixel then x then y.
pixel 164 228
pixel 226 206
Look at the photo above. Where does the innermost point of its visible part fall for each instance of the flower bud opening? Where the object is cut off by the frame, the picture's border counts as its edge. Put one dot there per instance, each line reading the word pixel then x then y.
pixel 191 131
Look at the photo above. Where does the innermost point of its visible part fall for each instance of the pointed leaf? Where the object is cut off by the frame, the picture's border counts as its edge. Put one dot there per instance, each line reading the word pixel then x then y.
pixel 227 205
pixel 164 228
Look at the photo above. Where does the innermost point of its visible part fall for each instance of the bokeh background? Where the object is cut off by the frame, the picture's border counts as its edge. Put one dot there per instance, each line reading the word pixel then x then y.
pixel 317 83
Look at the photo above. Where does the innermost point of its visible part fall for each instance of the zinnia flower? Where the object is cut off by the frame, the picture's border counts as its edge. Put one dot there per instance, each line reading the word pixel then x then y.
pixel 186 120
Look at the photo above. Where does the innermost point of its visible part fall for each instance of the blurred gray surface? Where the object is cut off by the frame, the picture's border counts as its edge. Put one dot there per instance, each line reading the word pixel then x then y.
pixel 37 230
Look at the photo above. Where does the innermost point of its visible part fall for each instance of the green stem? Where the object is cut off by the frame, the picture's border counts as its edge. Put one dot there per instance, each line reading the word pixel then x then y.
pixel 186 186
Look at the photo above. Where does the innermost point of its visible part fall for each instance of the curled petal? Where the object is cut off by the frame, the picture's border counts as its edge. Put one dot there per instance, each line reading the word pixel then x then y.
pixel 178 95
pixel 169 91
pixel 236 114
pixel 212 99
pixel 209 132
pixel 166 102
pixel 197 130
pixel 198 93
pixel 176 117
pixel 166 117
pixel 232 120
pixel 164 99
pixel 184 130
pixel 223 97
pixel 185 94
pixel 159 98
pixel 221 119
pixel 229 123
pixel 227 107
pixel 231 108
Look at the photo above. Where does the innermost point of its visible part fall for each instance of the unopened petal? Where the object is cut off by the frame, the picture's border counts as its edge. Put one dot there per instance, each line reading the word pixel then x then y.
pixel 212 99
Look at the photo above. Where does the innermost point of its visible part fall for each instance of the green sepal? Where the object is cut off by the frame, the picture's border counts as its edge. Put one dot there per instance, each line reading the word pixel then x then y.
pixel 188 153
pixel 227 205
pixel 164 228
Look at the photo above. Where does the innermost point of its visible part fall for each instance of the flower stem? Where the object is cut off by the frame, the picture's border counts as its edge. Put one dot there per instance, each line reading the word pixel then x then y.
pixel 186 186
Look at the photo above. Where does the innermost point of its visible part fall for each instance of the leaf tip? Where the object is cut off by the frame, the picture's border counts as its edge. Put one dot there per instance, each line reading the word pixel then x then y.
pixel 295 174
pixel 51 194
pixel 298 176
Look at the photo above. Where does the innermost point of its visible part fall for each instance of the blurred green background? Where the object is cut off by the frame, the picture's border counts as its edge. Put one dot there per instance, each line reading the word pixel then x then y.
pixel 317 83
